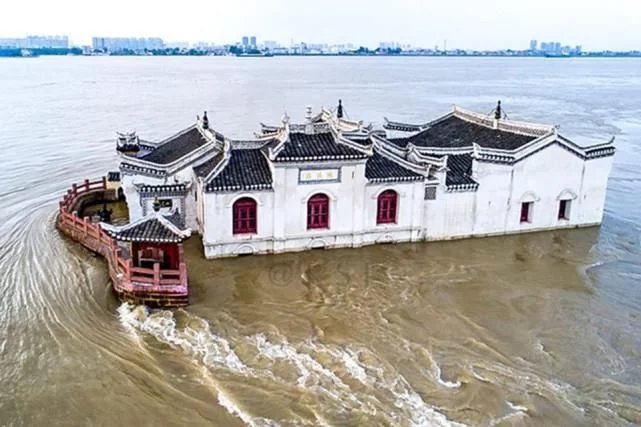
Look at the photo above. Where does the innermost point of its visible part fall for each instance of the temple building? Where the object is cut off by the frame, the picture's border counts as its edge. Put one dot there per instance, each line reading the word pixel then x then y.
pixel 334 182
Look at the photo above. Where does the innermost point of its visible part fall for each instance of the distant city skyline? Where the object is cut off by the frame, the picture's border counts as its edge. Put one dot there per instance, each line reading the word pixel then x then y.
pixel 466 24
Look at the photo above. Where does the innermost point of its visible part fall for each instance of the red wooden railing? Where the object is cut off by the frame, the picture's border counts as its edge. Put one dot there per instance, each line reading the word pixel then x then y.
pixel 125 276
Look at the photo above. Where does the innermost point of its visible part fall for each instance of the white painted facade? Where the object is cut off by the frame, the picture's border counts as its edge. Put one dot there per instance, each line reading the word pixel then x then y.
pixel 545 171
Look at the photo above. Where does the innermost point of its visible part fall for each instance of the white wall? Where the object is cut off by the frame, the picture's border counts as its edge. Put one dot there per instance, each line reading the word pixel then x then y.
pixel 219 239
pixel 451 215
pixel 409 213
pixel 282 214
pixel 544 178
pixel 137 206
pixel 593 190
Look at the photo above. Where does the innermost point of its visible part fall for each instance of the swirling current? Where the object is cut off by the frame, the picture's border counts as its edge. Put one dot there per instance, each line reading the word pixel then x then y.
pixel 537 329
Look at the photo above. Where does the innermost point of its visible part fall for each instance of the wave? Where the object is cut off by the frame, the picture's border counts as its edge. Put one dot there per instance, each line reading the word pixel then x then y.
pixel 231 407
pixel 347 383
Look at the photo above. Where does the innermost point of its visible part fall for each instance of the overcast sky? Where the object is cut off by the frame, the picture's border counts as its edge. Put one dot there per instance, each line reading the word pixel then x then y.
pixel 475 24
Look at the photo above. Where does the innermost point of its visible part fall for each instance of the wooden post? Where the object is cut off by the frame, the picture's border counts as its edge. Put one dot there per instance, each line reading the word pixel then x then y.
pixel 104 182
pixel 86 185
pixel 156 273
pixel 128 272
pixel 74 189
pixel 85 221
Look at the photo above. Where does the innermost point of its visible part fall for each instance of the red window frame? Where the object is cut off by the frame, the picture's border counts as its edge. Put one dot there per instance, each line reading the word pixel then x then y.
pixel 318 212
pixel 563 209
pixel 386 207
pixel 525 211
pixel 245 216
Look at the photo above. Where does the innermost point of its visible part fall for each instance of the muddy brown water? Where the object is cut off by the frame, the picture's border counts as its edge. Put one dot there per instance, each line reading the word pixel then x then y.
pixel 537 329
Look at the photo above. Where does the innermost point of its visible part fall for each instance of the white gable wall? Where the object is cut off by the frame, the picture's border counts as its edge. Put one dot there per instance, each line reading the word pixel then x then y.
pixel 544 176
pixel 492 197
pixel 593 190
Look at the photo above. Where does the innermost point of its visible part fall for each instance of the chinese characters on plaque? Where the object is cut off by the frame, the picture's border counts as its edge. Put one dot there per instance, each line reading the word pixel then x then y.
pixel 319 175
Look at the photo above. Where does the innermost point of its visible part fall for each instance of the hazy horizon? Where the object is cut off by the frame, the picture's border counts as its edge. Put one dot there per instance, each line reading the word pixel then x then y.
pixel 466 24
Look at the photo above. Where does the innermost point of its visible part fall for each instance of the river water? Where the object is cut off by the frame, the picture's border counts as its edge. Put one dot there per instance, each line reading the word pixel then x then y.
pixel 538 329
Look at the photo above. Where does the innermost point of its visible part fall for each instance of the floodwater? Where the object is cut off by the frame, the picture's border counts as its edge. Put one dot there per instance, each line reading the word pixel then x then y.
pixel 538 329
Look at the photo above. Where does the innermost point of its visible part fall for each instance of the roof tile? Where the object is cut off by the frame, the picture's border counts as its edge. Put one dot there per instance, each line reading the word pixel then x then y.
pixel 245 170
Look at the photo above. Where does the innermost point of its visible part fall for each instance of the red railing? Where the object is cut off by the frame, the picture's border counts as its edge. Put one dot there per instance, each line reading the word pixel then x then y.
pixel 124 274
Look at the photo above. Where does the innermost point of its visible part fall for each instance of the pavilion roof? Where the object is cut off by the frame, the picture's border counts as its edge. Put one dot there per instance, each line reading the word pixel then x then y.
pixel 155 227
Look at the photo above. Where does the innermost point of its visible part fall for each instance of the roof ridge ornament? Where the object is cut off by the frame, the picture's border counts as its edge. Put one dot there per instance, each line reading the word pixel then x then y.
pixel 205 121
pixel 498 114
pixel 309 124
pixel 339 109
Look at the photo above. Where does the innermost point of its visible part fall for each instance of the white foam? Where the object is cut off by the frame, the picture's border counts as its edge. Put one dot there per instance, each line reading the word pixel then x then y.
pixel 213 350
pixel 349 359
pixel 437 373
pixel 308 368
pixel 420 413
pixel 515 407
pixel 519 411
pixel 227 403
pixel 216 352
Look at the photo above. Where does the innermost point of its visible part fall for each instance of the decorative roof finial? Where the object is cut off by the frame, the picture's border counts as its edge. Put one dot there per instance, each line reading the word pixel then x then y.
pixel 308 113
pixel 498 113
pixel 205 121
pixel 156 205
pixel 339 110
pixel 285 118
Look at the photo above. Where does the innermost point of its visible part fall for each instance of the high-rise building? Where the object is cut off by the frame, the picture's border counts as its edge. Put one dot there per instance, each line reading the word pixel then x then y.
pixel 534 45
pixel 37 42
pixel 271 44
pixel 245 41
pixel 252 42
pixel 10 42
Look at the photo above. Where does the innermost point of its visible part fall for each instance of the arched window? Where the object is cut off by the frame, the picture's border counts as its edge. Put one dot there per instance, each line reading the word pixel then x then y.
pixel 318 211
pixel 386 209
pixel 245 217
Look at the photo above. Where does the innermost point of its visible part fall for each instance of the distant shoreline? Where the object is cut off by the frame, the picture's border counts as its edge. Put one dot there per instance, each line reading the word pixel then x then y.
pixel 342 56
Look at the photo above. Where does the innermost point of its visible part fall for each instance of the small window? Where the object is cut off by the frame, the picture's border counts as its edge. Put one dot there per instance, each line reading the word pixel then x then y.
pixel 318 212
pixel 526 212
pixel 245 218
pixel 430 193
pixel 165 203
pixel 386 209
pixel 564 209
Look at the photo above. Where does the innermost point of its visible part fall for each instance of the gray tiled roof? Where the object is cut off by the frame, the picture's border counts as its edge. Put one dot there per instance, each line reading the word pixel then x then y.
pixel 178 147
pixel 381 169
pixel 245 170
pixel 460 169
pixel 164 189
pixel 205 169
pixel 155 227
pixel 403 127
pixel 454 132
pixel 317 146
